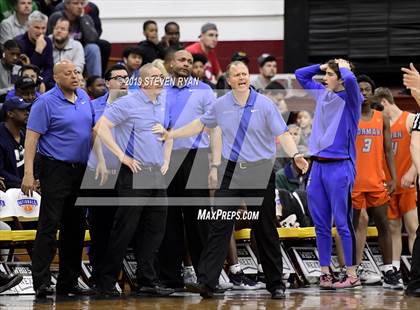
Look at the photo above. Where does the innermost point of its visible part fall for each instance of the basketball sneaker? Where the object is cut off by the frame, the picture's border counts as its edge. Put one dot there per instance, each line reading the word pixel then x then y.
pixel 241 282
pixel 367 277
pixel 392 281
pixel 189 275
pixel 348 282
pixel 326 281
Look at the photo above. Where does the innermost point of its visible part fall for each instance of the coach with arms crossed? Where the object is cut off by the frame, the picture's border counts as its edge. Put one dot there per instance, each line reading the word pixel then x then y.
pixel 250 124
pixel 60 123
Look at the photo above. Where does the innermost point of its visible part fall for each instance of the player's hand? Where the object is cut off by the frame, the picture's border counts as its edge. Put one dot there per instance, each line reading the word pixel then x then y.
pixel 408 180
pixel 411 77
pixel 2 185
pixel 212 178
pixel 28 185
pixel 159 129
pixel 391 186
pixel 301 163
pixel 164 167
pixel 342 63
pixel 40 44
pixel 131 163
pixel 102 172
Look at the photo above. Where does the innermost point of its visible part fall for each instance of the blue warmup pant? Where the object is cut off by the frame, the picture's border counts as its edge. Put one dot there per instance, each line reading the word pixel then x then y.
pixel 329 196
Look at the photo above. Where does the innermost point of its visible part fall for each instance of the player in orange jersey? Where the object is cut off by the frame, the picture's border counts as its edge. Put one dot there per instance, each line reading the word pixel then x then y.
pixel 371 191
pixel 403 200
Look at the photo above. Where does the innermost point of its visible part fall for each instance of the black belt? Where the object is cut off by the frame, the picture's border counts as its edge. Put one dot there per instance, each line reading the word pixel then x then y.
pixel 319 159
pixel 250 164
pixel 74 165
pixel 150 168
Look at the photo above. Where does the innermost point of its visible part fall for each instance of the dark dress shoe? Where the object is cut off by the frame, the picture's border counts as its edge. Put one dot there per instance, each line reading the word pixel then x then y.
pixel 113 292
pixel 44 291
pixel 74 291
pixel 199 288
pixel 414 292
pixel 278 294
pixel 154 291
pixel 7 282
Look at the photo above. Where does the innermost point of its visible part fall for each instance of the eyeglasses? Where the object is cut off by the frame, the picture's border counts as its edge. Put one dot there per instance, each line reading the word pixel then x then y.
pixel 120 78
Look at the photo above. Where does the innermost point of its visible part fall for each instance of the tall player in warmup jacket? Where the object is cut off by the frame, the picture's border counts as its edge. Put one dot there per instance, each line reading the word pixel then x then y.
pixel 332 146
pixel 371 191
pixel 403 201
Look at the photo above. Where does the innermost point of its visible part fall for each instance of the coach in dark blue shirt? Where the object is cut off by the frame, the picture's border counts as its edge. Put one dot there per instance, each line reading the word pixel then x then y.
pixel 187 99
pixel 250 123
pixel 60 123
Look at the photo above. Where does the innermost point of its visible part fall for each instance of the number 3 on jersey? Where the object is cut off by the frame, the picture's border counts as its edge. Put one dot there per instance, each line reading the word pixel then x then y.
pixel 394 147
pixel 367 145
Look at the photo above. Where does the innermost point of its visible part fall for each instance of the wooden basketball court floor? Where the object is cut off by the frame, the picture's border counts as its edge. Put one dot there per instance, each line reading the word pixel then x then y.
pixel 374 298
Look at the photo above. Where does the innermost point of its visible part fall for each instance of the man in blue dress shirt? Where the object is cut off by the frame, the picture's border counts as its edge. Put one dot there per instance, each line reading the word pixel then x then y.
pixel 60 123
pixel 186 99
pixel 101 217
pixel 250 124
pixel 142 210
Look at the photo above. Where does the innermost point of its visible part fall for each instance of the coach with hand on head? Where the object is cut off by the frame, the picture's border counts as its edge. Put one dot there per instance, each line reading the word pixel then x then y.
pixel 60 123
pixel 250 124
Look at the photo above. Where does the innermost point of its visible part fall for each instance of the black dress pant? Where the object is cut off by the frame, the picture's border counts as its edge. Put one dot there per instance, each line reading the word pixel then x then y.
pixel 245 182
pixel 415 262
pixel 141 221
pixel 100 217
pixel 183 175
pixel 60 184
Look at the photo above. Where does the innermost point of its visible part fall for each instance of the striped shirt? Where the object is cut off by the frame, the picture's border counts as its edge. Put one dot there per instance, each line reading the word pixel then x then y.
pixel 416 123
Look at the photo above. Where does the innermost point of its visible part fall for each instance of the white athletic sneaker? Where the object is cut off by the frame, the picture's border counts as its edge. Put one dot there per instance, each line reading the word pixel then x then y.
pixel 367 277
pixel 189 275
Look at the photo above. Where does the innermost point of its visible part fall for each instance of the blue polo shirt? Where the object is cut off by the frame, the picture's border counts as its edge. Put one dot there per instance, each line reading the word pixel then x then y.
pixel 265 123
pixel 112 162
pixel 65 128
pixel 134 116
pixel 186 104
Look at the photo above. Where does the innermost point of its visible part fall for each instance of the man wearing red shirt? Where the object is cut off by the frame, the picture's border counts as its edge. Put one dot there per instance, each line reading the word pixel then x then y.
pixel 206 46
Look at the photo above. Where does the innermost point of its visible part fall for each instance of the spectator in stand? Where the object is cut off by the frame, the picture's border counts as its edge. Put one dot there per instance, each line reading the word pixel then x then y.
pixel 199 61
pixel 15 24
pixel 169 56
pixel 95 86
pixel 276 92
pixel 65 47
pixel 48 6
pixel 92 10
pixel 7 7
pixel 25 88
pixel 150 48
pixel 12 141
pixel 32 72
pixel 268 69
pixel 304 121
pixel 82 28
pixel 240 56
pixel 206 46
pixel 171 37
pixel 37 47
pixel 8 67
pixel 133 59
